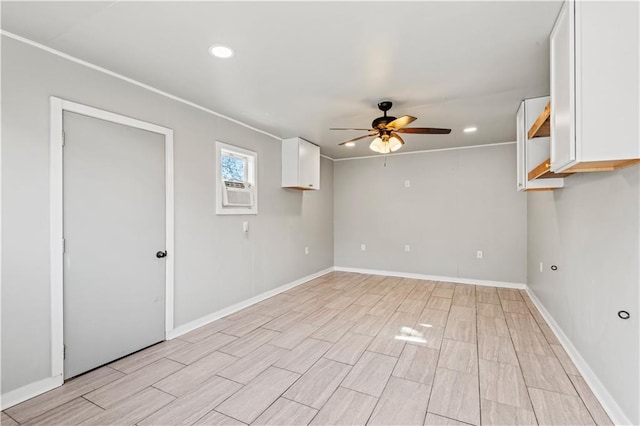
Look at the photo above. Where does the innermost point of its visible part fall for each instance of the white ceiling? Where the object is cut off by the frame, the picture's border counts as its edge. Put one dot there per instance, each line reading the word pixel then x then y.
pixel 302 67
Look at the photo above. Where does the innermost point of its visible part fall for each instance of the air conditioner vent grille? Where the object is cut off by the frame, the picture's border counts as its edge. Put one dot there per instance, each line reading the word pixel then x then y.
pixel 237 194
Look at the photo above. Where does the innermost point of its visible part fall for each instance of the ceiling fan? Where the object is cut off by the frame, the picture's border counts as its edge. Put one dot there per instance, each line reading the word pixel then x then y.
pixel 386 129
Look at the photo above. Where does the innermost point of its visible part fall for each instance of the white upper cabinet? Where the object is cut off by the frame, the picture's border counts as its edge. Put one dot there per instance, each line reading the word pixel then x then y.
pixel 300 164
pixel 533 152
pixel 594 86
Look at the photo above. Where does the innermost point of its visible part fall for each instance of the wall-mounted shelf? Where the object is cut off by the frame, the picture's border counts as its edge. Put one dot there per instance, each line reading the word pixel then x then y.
pixel 534 167
pixel 541 128
pixel 543 171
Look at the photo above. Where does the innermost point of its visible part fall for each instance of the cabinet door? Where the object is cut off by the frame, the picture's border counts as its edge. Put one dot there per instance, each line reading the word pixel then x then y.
pixel 309 165
pixel 521 149
pixel 563 141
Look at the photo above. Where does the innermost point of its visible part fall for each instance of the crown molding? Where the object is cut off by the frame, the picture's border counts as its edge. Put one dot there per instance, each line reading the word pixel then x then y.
pixel 131 81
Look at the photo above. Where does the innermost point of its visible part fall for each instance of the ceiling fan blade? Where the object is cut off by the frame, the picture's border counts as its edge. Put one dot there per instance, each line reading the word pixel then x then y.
pixel 397 136
pixel 399 123
pixel 347 128
pixel 425 130
pixel 356 139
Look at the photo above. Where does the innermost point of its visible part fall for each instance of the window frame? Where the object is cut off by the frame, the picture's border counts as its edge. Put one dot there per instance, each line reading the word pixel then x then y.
pixel 251 174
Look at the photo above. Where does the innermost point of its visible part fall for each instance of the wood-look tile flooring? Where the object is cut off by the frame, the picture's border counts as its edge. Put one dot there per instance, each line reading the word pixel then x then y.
pixel 342 349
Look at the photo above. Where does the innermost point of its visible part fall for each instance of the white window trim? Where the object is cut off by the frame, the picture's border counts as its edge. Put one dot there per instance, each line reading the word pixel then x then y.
pixel 252 177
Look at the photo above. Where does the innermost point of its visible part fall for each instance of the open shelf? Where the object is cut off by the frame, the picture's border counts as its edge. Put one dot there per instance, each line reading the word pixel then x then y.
pixel 543 171
pixel 541 128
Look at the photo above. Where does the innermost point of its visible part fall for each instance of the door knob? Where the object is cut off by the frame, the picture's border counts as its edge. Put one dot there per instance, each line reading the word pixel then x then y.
pixel 161 254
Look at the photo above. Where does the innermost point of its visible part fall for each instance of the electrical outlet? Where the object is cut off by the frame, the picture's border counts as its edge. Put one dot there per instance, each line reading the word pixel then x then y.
pixel 407 183
pixel 407 247
pixel 363 247
pixel 541 267
pixel 479 254
pixel 306 250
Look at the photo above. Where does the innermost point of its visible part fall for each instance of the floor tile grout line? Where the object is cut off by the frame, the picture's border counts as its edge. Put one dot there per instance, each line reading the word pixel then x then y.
pixel 133 395
pixel 584 402
pixel 223 401
pixel 182 363
pixel 276 399
pixel 555 356
pixel 164 356
pixel 559 392
pixel 5 413
pixel 437 361
pixel 450 418
pixel 219 412
pixel 535 414
pixel 478 363
pixel 301 403
pixel 383 389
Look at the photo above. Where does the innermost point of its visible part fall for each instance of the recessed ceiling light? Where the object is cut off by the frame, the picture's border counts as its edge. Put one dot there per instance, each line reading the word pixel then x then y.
pixel 470 129
pixel 220 51
pixel 350 144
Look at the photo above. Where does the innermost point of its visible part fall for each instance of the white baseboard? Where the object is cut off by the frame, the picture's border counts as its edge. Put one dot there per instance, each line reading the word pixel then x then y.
pixel 609 404
pixel 599 390
pixel 192 325
pixel 34 389
pixel 433 277
pixel 19 395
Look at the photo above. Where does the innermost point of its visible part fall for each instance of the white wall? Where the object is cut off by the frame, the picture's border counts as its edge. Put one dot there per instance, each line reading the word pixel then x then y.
pixel 459 201
pixel 590 231
pixel 216 266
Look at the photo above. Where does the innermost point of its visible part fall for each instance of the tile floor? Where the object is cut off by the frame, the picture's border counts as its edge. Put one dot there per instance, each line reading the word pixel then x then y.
pixel 342 349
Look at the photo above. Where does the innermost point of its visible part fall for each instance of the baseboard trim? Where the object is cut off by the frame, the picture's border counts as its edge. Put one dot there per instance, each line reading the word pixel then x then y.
pixel 19 395
pixel 36 388
pixel 192 325
pixel 599 390
pixel 457 280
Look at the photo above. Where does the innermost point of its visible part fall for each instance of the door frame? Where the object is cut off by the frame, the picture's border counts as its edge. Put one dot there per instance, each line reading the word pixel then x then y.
pixel 56 139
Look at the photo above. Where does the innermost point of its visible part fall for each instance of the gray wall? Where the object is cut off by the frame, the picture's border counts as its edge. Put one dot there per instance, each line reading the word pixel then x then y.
pixel 216 265
pixel 459 201
pixel 590 230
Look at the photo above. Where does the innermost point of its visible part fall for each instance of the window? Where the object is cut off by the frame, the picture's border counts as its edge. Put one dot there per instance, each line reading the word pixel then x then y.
pixel 236 180
pixel 234 167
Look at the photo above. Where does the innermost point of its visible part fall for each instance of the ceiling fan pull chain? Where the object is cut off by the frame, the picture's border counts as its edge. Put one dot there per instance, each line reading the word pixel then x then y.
pixel 385 160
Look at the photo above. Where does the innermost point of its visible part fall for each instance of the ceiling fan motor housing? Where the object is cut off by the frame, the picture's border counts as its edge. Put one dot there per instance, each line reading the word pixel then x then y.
pixel 381 122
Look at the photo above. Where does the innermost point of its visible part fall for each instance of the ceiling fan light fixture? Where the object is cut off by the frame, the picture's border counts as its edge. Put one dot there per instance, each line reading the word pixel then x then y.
pixel 350 144
pixel 378 145
pixel 470 129
pixel 387 129
pixel 394 144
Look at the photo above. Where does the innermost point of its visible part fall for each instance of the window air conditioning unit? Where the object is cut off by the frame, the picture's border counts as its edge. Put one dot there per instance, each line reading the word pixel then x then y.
pixel 237 194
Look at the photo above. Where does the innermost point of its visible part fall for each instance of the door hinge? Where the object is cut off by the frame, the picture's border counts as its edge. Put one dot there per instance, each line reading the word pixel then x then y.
pixel 64 246
pixel 64 351
pixel 63 136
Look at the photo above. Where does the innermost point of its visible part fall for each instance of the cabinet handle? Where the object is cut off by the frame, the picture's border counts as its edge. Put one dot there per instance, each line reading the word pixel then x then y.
pixel 310 184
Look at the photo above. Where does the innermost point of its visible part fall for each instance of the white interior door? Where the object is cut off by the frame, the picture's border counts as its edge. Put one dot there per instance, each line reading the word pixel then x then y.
pixel 114 227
